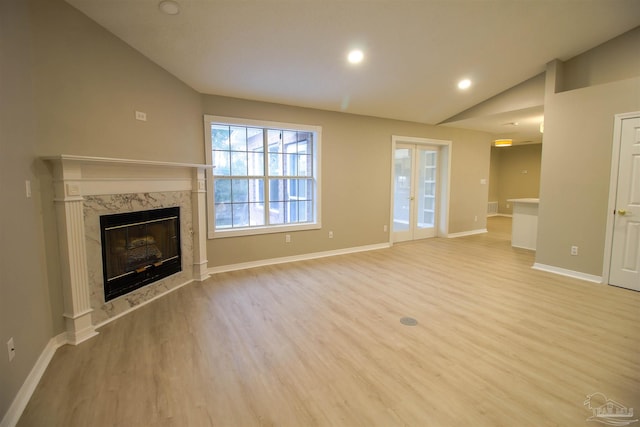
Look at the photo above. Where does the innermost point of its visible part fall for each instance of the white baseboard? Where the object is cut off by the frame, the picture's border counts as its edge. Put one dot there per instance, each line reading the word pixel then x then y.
pixel 568 273
pixel 466 233
pixel 304 257
pixel 12 416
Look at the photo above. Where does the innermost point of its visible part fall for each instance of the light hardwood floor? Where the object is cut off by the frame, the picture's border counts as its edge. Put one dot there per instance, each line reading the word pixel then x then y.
pixel 320 343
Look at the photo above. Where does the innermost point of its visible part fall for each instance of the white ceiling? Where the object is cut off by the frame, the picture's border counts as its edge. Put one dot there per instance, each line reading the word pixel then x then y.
pixel 294 51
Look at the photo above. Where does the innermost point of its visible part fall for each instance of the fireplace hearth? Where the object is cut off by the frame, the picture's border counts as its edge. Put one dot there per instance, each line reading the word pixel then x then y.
pixel 139 248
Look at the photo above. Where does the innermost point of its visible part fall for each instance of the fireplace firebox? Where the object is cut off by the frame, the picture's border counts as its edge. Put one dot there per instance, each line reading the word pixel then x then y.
pixel 139 248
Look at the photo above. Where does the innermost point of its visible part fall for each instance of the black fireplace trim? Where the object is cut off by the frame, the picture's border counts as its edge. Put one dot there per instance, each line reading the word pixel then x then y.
pixel 124 285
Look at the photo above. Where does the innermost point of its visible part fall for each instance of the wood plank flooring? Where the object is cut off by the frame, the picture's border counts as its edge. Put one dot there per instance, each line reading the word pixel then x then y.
pixel 320 343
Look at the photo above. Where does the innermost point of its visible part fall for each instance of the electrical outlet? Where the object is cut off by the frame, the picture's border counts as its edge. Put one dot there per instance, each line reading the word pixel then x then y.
pixel 287 238
pixel 11 349
pixel 385 228
pixel 142 116
pixel 27 185
pixel 331 234
pixel 574 250
pixel 475 219
pixel 508 205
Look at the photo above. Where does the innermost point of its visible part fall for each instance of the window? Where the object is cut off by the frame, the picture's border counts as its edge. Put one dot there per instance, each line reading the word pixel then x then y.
pixel 265 176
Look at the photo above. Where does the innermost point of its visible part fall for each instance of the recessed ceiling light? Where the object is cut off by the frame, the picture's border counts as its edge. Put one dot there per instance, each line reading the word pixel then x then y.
pixel 464 84
pixel 355 56
pixel 169 7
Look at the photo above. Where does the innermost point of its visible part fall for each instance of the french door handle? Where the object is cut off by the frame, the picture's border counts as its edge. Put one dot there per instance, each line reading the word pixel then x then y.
pixel 622 212
pixel 411 198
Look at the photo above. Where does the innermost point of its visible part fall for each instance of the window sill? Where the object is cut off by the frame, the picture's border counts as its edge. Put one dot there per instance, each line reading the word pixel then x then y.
pixel 262 230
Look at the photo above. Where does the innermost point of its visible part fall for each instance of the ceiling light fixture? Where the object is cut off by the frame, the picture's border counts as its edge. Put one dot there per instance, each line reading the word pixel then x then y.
pixel 503 142
pixel 355 56
pixel 464 84
pixel 169 7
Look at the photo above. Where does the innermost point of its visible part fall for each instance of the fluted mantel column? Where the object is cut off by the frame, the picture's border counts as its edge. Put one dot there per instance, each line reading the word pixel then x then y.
pixel 199 208
pixel 73 255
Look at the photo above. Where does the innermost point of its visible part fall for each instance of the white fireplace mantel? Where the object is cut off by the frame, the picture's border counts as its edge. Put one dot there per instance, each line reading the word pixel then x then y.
pixel 75 177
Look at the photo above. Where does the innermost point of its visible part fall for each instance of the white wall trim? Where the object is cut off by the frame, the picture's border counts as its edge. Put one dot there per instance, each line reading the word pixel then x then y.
pixel 466 233
pixel 19 403
pixel 295 258
pixel 567 273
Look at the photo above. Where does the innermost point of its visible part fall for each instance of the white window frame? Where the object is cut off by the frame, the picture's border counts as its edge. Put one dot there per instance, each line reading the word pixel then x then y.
pixel 280 228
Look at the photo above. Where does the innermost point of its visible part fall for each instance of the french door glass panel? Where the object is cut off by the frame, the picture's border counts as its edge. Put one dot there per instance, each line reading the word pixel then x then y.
pixel 402 193
pixel 415 192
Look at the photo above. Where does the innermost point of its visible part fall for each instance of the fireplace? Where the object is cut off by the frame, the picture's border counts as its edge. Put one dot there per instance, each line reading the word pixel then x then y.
pixel 139 248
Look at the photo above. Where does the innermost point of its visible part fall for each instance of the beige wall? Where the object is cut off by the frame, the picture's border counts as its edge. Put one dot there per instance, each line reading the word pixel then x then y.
pixel 25 313
pixel 516 174
pixel 356 177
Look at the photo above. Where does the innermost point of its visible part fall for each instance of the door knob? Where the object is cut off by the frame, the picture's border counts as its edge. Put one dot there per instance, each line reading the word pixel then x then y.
pixel 622 212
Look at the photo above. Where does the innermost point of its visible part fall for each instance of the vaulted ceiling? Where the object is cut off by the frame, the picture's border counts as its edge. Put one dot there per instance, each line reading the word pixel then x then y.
pixel 415 51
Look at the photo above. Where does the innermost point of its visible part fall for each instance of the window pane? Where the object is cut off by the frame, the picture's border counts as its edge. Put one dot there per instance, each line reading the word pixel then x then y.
pixel 303 144
pixel 219 137
pixel 222 163
pixel 256 164
pixel 222 191
pixel 256 214
pixel 255 140
pixel 238 138
pixel 256 190
pixel 276 213
pixel 238 163
pixel 223 215
pixel 275 141
pixel 239 190
pixel 290 164
pixel 275 164
pixel 289 139
pixel 240 214
pixel 276 190
pixel 304 165
pixel 305 211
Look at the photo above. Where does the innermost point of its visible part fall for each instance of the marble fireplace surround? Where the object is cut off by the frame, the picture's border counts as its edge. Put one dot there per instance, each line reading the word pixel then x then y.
pixel 87 187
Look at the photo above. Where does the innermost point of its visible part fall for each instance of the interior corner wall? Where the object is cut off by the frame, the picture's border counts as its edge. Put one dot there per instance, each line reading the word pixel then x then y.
pixel 356 180
pixel 576 163
pixel 25 312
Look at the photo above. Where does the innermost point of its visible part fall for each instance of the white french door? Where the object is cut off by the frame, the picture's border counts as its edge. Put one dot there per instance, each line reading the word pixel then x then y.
pixel 415 191
pixel 625 247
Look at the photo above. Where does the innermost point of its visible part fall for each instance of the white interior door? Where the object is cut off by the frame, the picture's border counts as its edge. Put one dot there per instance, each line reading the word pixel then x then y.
pixel 415 192
pixel 625 249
